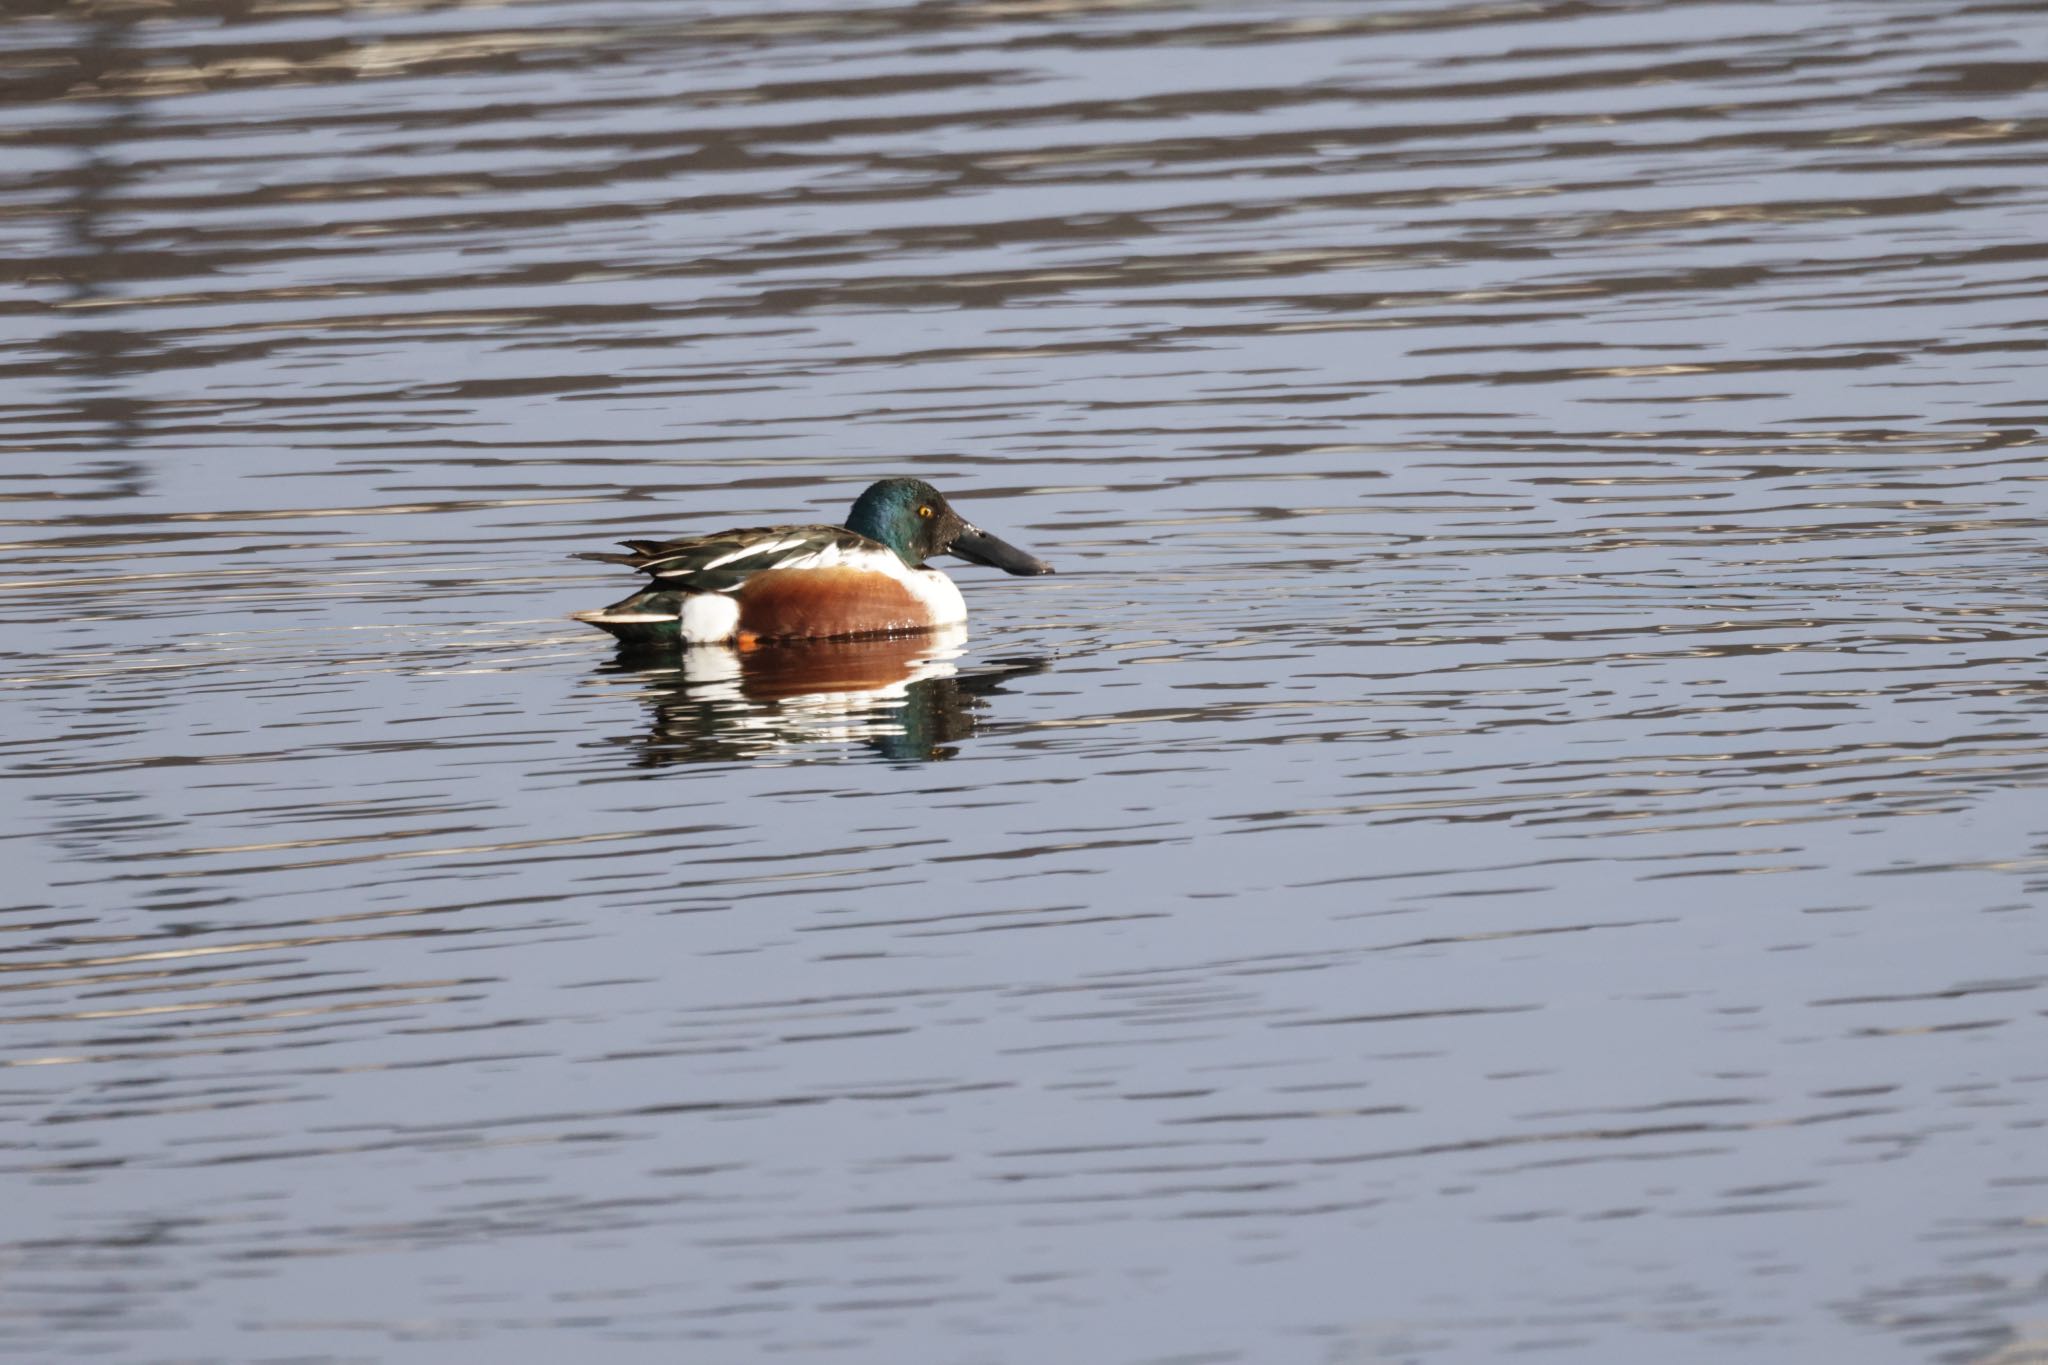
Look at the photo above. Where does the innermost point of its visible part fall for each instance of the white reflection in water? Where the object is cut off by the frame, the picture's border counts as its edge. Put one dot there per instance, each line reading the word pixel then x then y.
pixel 901 697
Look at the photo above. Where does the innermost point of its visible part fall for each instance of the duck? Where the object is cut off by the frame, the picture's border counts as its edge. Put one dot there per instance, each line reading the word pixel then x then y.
pixel 758 584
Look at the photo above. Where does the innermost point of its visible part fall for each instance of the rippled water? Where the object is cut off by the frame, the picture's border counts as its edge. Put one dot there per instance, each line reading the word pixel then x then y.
pixel 1518 825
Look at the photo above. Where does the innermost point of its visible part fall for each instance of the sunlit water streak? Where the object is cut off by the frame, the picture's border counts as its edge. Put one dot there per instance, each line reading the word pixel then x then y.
pixel 1517 825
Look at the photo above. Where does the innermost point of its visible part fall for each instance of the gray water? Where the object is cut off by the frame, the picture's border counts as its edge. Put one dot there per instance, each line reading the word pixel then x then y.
pixel 1518 826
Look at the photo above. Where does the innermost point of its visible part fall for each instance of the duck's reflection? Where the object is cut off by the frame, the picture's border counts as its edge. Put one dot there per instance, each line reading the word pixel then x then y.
pixel 901 697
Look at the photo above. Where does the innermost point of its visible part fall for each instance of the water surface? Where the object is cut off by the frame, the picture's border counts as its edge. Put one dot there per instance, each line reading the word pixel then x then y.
pixel 1517 827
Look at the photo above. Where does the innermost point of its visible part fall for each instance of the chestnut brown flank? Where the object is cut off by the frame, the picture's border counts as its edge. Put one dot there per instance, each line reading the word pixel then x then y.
pixel 779 603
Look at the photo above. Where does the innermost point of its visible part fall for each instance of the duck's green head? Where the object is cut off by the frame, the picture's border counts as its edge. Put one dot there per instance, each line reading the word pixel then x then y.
pixel 913 519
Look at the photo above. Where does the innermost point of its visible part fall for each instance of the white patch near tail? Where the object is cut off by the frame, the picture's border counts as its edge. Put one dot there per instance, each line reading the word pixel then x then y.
pixel 709 618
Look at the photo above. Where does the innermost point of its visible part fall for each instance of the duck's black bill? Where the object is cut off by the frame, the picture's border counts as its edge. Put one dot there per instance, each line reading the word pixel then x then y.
pixel 979 547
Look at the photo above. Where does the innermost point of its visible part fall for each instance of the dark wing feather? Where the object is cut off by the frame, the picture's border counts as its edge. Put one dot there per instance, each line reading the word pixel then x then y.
pixel 722 561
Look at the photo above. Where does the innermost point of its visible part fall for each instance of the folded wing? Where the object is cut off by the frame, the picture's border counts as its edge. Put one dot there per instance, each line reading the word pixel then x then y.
pixel 722 561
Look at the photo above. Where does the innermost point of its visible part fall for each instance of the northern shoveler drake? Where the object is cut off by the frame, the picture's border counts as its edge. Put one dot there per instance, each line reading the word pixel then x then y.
pixel 756 583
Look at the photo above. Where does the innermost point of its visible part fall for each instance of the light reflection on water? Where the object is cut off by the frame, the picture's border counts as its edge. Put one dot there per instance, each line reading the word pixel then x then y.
pixel 1517 825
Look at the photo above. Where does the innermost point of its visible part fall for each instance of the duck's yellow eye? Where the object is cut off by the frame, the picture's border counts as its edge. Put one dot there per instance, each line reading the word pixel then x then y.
pixel 925 511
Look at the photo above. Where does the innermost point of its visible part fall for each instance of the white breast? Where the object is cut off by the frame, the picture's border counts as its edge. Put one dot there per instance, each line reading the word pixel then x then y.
pixel 940 595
